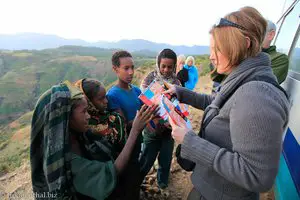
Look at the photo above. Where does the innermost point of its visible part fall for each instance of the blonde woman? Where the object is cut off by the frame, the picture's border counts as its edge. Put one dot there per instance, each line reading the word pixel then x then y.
pixel 192 70
pixel 180 62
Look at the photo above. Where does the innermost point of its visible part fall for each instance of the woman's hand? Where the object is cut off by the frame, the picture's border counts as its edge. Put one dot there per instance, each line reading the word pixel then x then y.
pixel 178 132
pixel 143 116
pixel 171 90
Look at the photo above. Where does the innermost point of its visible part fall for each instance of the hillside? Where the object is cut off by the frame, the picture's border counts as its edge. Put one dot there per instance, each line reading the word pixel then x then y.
pixel 14 143
pixel 24 75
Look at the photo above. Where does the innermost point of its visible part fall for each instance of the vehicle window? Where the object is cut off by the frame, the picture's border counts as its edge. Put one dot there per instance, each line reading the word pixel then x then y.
pixel 288 30
pixel 295 58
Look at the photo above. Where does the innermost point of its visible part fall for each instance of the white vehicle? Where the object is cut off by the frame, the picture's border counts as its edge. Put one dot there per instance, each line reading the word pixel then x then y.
pixel 287 41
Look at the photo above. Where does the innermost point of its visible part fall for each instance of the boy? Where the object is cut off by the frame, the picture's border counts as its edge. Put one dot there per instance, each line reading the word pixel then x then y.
pixel 123 98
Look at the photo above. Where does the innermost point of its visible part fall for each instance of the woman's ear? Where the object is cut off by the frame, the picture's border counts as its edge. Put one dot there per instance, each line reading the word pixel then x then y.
pixel 248 41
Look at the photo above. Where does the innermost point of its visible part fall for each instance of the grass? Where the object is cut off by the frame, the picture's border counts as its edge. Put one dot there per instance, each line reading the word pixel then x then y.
pixel 14 143
pixel 26 118
pixel 13 155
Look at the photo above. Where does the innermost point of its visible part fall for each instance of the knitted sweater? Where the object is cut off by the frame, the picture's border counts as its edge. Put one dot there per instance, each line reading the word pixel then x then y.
pixel 238 155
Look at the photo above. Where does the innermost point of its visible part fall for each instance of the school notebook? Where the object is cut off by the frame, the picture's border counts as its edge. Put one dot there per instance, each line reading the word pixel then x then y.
pixel 169 104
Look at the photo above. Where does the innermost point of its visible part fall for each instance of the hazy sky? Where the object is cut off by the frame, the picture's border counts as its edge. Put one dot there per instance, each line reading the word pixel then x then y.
pixel 184 22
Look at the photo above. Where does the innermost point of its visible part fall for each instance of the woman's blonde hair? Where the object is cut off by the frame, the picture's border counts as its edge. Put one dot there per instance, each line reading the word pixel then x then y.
pixel 180 58
pixel 238 44
pixel 190 58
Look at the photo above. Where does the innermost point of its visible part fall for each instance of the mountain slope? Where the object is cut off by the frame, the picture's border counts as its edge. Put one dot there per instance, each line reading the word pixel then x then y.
pixel 24 75
pixel 36 41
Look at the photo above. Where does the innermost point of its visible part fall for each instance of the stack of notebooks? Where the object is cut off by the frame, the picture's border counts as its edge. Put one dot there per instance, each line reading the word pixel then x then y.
pixel 169 105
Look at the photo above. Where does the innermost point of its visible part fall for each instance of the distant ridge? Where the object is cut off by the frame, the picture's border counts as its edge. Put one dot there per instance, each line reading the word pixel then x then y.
pixel 37 41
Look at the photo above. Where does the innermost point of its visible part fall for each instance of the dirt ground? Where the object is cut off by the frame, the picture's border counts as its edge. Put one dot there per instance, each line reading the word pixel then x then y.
pixel 17 185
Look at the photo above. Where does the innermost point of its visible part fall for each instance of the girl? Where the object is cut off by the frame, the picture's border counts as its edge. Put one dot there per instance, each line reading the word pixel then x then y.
pixel 109 125
pixel 159 141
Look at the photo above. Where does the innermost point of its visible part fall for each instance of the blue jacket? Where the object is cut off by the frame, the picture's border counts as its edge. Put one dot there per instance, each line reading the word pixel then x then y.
pixel 193 77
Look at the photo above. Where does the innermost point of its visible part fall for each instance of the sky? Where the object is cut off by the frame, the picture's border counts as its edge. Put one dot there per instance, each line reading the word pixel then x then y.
pixel 185 22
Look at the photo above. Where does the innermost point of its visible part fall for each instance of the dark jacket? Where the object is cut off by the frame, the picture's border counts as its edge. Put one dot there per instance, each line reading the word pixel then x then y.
pixel 183 76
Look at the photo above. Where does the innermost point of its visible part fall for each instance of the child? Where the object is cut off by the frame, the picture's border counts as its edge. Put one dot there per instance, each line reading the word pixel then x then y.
pixel 159 140
pixel 123 98
pixel 107 125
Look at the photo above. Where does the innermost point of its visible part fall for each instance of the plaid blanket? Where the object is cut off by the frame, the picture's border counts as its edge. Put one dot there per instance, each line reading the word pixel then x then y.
pixel 50 145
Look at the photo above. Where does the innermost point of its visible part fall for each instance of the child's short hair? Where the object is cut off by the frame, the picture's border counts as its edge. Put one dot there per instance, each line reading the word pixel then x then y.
pixel 115 60
pixel 167 53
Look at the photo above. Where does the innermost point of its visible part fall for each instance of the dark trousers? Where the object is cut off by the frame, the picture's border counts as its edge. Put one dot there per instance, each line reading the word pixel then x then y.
pixel 163 148
pixel 131 176
pixel 128 186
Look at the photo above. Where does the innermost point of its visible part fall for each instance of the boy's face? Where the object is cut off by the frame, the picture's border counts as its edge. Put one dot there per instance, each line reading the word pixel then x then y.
pixel 126 69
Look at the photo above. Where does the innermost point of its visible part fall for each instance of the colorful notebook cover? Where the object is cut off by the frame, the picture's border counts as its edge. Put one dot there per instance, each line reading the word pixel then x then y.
pixel 169 105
